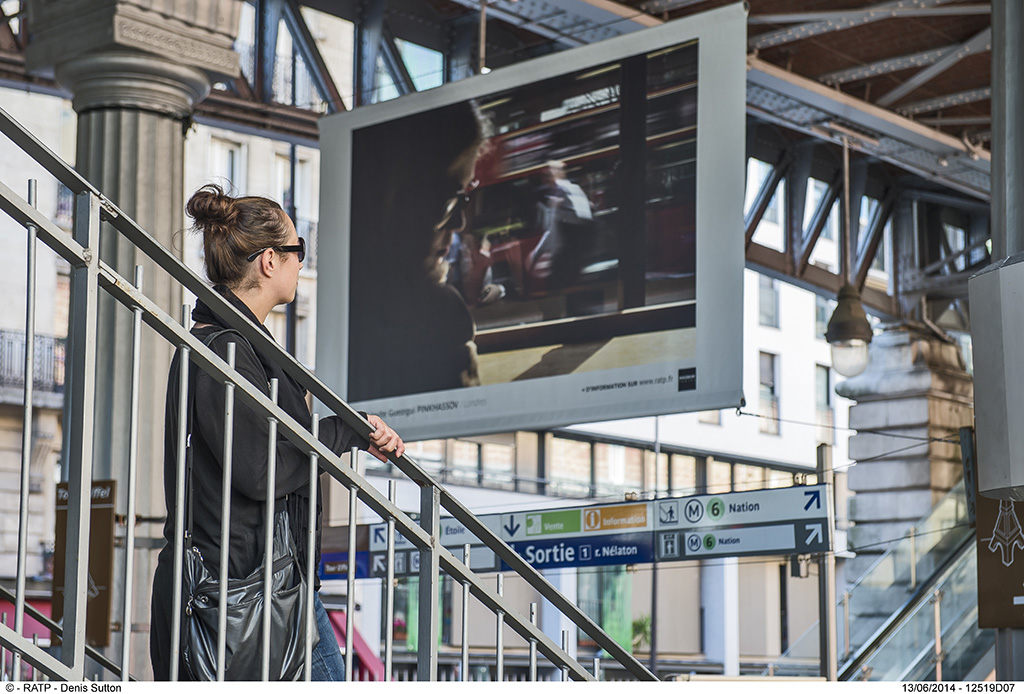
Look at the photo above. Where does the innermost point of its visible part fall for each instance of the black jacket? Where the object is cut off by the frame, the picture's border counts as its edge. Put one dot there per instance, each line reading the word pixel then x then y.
pixel 249 468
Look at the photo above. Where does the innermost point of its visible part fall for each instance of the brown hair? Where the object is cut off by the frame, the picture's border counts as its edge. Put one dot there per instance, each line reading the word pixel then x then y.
pixel 232 229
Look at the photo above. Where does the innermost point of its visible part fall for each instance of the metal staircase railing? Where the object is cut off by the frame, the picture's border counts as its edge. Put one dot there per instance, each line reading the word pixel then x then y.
pixel 889 588
pixel 90 275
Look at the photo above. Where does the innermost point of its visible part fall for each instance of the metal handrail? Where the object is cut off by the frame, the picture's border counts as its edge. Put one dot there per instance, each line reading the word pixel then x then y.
pixel 176 334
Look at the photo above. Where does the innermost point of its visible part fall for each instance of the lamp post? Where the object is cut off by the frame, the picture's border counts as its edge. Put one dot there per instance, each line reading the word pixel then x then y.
pixel 848 332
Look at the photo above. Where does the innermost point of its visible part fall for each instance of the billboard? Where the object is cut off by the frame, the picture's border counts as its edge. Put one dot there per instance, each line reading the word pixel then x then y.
pixel 556 242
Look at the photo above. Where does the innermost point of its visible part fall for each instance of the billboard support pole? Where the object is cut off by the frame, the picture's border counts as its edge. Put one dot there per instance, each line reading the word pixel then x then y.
pixel 827 577
pixel 653 661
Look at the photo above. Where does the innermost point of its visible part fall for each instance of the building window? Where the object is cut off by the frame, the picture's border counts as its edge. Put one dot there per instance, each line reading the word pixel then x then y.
pixel 569 468
pixel 823 309
pixel 769 394
pixel 823 404
pixel 769 302
pixel 710 417
pixel 226 164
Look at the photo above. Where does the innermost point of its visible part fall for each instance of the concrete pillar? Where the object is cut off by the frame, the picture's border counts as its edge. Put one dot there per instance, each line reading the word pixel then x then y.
pixel 720 597
pixel 136 69
pixel 915 386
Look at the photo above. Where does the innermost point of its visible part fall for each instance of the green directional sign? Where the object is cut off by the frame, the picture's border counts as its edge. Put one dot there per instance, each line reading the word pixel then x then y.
pixel 553 522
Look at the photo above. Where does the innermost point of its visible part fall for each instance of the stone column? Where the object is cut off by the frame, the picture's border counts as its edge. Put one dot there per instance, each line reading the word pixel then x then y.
pixel 915 386
pixel 136 69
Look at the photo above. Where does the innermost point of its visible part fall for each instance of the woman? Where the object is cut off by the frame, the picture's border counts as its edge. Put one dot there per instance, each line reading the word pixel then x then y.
pixel 253 255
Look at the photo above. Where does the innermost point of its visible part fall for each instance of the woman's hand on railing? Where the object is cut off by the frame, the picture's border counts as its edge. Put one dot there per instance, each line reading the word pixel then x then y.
pixel 384 440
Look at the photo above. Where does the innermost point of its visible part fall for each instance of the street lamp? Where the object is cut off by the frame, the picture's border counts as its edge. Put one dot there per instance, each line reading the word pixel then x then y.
pixel 849 333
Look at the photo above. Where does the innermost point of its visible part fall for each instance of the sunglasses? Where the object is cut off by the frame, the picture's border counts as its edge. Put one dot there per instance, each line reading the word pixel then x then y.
pixel 299 249
pixel 455 208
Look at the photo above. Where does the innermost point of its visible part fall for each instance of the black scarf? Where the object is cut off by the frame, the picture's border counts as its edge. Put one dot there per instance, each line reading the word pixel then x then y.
pixel 291 395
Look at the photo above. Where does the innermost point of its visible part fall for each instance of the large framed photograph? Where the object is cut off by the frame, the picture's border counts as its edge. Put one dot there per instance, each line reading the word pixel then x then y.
pixel 556 242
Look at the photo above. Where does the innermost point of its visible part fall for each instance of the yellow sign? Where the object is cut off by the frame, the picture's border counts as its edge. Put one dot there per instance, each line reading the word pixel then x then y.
pixel 615 517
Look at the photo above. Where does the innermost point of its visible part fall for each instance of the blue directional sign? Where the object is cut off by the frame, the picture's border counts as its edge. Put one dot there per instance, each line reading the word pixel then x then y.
pixel 334 565
pixel 598 550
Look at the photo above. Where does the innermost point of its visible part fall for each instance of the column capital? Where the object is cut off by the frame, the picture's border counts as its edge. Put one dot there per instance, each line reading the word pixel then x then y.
pixel 135 41
pixel 118 79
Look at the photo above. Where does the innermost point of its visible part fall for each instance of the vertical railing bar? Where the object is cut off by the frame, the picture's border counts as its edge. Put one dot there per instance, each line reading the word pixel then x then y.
pixel 913 557
pixel 79 415
pixel 430 521
pixel 597 668
pixel 846 625
pixel 314 473
pixel 533 644
pixel 3 651
pixel 350 597
pixel 26 431
pixel 225 516
pixel 937 602
pixel 465 617
pixel 499 670
pixel 184 366
pixel 389 588
pixel 133 464
pixel 35 670
pixel 565 648
pixel 268 534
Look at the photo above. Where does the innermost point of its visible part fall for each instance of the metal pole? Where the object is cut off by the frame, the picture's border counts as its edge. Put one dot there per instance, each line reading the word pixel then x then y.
pixel 225 516
pixel 565 648
pixel 597 668
pixel 184 366
pixel 133 464
pixel 350 593
pixel 482 64
pixel 26 430
pixel 533 644
pixel 499 670
pixel 1007 147
pixel 465 617
pixel 912 534
pixel 847 648
pixel 3 651
pixel 314 460
pixel 652 662
pixel 937 618
pixel 846 260
pixel 80 413
pixel 827 577
pixel 430 521
pixel 268 534
pixel 389 588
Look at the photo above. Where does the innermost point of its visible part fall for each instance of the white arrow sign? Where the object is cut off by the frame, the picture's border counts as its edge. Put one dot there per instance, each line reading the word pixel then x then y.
pixel 814 534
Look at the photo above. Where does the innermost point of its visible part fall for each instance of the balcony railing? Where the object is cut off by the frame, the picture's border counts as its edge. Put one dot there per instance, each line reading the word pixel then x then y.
pixel 49 361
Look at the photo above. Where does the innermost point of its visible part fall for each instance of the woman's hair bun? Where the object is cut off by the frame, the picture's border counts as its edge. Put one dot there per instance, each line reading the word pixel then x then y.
pixel 212 210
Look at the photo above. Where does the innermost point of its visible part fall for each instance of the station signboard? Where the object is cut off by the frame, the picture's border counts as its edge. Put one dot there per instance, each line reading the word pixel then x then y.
pixel 791 520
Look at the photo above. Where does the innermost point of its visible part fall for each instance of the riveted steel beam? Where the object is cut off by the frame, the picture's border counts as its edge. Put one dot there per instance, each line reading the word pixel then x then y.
pixel 886 66
pixel 938 103
pixel 846 19
pixel 979 43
